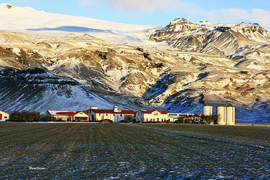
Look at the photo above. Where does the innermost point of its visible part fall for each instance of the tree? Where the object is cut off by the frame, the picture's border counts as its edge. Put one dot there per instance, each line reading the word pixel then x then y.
pixel 25 116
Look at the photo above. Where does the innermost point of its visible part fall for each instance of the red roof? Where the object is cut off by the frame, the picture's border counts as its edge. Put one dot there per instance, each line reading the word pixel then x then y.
pixel 65 113
pixel 69 113
pixel 150 111
pixel 109 111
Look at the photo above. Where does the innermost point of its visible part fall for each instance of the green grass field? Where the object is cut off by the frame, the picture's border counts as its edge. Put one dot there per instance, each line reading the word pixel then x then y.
pixel 124 151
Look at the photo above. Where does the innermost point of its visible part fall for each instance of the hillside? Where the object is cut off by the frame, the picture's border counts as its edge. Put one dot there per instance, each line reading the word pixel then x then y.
pixel 137 75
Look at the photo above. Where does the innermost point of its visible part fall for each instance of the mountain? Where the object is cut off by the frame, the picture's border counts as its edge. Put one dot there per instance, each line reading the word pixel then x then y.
pixel 245 41
pixel 36 89
pixel 137 74
pixel 30 21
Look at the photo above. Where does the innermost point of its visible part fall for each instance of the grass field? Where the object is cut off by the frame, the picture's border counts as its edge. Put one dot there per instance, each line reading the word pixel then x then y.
pixel 119 151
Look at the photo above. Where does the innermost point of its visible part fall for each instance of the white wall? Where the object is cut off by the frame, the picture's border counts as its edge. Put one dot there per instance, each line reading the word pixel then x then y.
pixel 113 117
pixel 81 114
pixel 5 116
pixel 100 117
pixel 155 116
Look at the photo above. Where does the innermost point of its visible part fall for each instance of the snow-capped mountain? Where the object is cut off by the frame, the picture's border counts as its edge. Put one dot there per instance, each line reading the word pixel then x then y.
pixel 235 41
pixel 30 21
pixel 209 64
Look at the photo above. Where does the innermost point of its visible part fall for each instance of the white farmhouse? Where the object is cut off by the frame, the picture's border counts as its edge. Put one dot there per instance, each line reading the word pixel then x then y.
pixel 4 116
pixel 115 114
pixel 152 116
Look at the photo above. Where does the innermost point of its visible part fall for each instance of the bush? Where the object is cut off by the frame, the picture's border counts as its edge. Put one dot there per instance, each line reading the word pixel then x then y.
pixel 210 119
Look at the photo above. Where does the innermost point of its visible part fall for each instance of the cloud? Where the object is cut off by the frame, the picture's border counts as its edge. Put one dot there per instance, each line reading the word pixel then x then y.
pixel 231 15
pixel 148 6
pixel 256 15
pixel 261 16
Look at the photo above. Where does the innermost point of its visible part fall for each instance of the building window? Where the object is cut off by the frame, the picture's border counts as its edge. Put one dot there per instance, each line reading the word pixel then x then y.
pixel 155 114
pixel 106 114
pixel 99 114
pixel 5 117
pixel 146 119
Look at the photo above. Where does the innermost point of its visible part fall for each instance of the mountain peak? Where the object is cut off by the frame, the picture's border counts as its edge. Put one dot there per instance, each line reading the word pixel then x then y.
pixel 206 22
pixel 6 5
pixel 229 40
pixel 178 20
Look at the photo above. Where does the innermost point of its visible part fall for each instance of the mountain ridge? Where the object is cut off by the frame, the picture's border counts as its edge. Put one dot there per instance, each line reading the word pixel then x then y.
pixel 234 41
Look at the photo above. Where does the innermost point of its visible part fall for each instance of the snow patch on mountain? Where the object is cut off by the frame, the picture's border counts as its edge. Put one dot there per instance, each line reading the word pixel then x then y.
pixel 28 20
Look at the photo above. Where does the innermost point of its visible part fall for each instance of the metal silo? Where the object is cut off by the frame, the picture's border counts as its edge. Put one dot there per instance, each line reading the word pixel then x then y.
pixel 207 110
pixel 230 115
pixel 221 112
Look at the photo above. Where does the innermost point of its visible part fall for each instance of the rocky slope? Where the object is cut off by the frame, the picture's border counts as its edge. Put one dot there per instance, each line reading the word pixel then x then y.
pixel 134 76
pixel 38 90
pixel 236 41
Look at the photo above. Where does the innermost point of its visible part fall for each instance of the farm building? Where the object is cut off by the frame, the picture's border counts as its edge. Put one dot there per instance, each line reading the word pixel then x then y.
pixel 67 115
pixel 153 116
pixel 177 116
pixel 225 115
pixel 4 116
pixel 115 114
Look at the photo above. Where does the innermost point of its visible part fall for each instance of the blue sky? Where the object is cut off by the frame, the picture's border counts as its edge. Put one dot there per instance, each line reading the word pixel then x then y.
pixel 157 12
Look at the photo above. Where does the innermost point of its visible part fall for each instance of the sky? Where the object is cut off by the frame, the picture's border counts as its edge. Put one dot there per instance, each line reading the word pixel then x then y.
pixel 157 12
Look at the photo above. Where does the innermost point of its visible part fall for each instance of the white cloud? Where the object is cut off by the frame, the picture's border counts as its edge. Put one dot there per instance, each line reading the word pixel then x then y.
pixel 256 15
pixel 232 14
pixel 261 16
pixel 150 6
